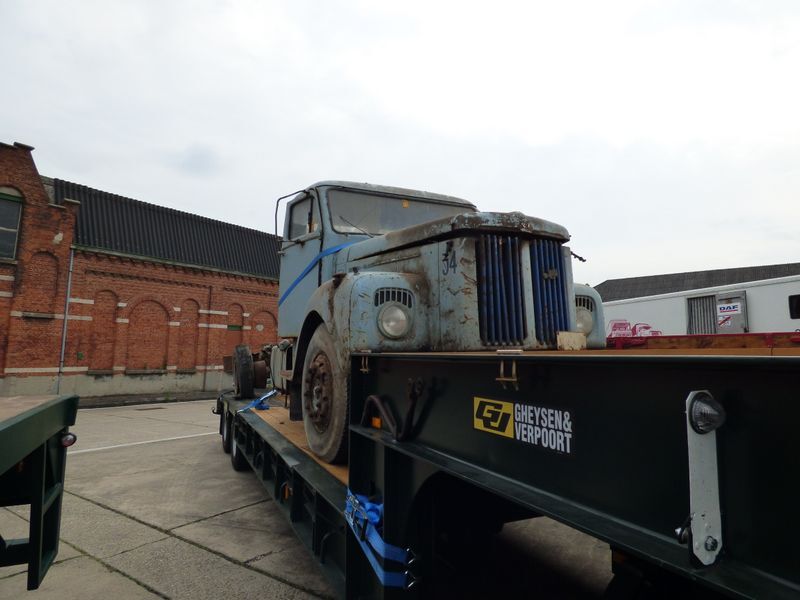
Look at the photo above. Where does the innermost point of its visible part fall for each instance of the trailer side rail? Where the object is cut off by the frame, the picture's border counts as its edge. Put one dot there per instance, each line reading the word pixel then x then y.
pixel 311 499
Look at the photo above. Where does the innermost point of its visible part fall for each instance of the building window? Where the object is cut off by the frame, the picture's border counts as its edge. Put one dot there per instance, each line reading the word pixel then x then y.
pixel 794 306
pixel 10 212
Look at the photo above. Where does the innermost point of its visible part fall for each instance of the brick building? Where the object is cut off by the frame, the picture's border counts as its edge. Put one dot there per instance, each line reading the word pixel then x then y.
pixel 101 294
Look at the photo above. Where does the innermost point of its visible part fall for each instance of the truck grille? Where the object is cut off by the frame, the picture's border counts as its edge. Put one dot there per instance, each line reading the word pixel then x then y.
pixel 549 290
pixel 500 302
pixel 584 302
pixel 384 295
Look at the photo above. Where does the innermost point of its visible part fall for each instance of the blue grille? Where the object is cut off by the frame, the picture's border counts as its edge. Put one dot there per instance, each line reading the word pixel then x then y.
pixel 549 290
pixel 500 301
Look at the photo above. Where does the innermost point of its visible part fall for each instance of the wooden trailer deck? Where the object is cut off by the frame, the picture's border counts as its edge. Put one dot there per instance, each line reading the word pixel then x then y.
pixel 278 418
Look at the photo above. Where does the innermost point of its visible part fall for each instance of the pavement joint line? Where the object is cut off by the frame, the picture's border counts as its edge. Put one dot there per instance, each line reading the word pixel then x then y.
pixel 129 444
pixel 121 552
pixel 224 557
pixel 219 514
pixel 177 422
pixel 161 419
pixel 144 403
pixel 14 574
pixel 114 569
pixel 84 553
pixel 259 557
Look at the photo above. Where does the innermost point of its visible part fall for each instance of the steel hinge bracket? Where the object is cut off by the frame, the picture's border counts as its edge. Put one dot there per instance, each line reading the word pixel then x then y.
pixel 506 380
pixel 704 512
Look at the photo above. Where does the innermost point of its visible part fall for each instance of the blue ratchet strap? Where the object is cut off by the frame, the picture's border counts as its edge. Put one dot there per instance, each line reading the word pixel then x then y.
pixel 311 265
pixel 259 403
pixel 364 517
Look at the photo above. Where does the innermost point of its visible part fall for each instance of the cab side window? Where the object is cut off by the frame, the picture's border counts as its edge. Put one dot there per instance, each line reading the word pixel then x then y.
pixel 303 219
pixel 794 307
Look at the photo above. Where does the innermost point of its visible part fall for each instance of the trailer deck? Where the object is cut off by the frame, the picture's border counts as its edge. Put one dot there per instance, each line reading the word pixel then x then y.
pixel 277 417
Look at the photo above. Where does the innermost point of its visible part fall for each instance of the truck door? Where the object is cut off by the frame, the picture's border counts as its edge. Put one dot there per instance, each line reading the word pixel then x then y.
pixel 302 243
pixel 732 312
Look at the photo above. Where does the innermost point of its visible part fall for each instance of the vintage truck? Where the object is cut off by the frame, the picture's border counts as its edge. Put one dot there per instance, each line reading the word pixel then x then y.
pixel 367 268
pixel 449 357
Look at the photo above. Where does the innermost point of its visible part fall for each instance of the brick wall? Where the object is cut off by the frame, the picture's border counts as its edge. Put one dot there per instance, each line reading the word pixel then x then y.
pixel 132 325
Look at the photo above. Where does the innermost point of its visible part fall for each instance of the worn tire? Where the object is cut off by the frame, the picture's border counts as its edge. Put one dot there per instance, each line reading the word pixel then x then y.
pixel 238 461
pixel 324 398
pixel 225 427
pixel 243 372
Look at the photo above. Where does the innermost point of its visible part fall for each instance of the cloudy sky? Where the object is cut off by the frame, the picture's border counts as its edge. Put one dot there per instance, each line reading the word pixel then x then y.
pixel 664 135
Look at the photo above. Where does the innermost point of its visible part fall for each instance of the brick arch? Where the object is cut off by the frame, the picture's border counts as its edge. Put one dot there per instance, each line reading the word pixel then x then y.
pixel 263 328
pixel 11 190
pixel 235 321
pixel 126 312
pixel 103 334
pixel 188 336
pixel 148 335
pixel 40 281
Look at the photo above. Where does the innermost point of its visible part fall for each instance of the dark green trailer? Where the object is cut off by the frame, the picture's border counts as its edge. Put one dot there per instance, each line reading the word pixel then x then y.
pixel 34 436
pixel 685 464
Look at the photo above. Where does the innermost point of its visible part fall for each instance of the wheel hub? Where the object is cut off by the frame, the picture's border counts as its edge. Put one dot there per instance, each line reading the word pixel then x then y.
pixel 319 392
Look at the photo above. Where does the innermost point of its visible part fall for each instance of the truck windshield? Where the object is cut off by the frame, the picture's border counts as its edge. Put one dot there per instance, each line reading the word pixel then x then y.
pixel 355 212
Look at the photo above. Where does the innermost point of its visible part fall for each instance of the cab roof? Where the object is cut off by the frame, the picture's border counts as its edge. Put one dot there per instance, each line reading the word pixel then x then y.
pixel 395 191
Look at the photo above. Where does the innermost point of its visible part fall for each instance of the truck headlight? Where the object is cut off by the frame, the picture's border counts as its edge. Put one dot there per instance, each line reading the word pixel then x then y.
pixel 394 320
pixel 584 319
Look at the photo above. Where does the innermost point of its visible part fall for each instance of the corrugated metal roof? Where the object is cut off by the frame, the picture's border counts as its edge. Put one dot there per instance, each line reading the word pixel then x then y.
pixel 110 222
pixel 637 287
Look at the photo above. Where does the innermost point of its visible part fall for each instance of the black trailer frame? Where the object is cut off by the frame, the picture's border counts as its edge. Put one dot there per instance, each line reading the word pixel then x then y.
pixel 448 444
pixel 33 451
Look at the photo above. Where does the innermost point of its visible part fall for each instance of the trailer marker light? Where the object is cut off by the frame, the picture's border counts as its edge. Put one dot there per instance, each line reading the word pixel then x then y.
pixel 68 439
pixel 705 413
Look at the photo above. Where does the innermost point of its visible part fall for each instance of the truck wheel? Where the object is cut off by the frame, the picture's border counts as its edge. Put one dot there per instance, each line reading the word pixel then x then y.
pixel 243 372
pixel 238 461
pixel 225 427
pixel 324 397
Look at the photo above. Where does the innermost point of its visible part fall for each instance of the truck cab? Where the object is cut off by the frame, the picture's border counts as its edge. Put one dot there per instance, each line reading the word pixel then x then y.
pixel 367 268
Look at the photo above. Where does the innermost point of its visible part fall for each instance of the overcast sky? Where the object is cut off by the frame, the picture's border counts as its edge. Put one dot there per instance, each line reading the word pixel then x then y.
pixel 664 135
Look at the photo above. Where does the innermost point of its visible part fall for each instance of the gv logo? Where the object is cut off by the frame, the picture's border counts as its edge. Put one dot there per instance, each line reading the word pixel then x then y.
pixel 493 416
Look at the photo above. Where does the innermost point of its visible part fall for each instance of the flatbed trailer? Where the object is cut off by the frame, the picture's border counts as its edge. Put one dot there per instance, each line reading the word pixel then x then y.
pixel 34 436
pixel 445 448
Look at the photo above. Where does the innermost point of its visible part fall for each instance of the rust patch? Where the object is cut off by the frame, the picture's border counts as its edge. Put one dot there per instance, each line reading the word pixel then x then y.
pixel 469 279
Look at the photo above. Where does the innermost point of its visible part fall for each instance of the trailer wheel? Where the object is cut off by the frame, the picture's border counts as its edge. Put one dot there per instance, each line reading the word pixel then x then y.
pixel 225 428
pixel 238 461
pixel 243 372
pixel 324 398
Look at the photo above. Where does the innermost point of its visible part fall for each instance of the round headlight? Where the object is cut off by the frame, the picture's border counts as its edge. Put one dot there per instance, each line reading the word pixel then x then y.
pixel 585 320
pixel 394 320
